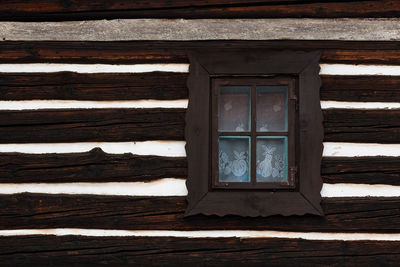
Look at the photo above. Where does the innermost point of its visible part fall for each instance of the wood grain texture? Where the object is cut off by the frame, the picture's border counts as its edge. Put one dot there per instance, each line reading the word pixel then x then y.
pixel 346 29
pixel 361 170
pixel 169 86
pixel 362 126
pixel 97 166
pixel 119 125
pixel 31 211
pixel 92 166
pixel 175 52
pixel 85 125
pixel 360 88
pixel 99 86
pixel 45 10
pixel 173 251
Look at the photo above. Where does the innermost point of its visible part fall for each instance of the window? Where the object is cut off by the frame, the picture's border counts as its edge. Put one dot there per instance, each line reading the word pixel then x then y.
pixel 254 133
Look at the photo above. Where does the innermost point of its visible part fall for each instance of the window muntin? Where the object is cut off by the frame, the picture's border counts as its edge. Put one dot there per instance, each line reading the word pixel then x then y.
pixel 259 112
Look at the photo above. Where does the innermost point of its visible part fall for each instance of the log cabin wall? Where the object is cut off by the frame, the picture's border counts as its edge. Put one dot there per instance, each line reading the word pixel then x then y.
pixel 92 160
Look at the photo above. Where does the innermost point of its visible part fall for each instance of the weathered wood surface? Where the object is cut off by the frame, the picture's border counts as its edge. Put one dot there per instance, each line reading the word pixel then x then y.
pixel 45 10
pixel 360 88
pixel 347 29
pixel 174 251
pixel 30 211
pixel 175 52
pixel 99 86
pixel 84 125
pixel 361 170
pixel 363 126
pixel 92 166
pixel 118 125
pixel 97 166
pixel 169 86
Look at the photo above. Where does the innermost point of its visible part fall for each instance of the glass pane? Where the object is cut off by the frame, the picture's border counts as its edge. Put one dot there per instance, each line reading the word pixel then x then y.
pixel 234 163
pixel 272 159
pixel 272 108
pixel 234 108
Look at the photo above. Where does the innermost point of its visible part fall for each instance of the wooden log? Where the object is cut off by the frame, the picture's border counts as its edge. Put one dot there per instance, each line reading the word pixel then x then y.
pixel 92 166
pixel 361 170
pixel 85 5
pixel 348 29
pixel 97 166
pixel 169 86
pixel 175 52
pixel 91 125
pixel 31 211
pixel 99 86
pixel 45 10
pixel 174 251
pixel 360 88
pixel 92 52
pixel 119 125
pixel 362 126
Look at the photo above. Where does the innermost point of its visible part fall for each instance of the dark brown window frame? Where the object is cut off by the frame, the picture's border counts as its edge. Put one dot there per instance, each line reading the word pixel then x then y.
pixel 291 133
pixel 206 65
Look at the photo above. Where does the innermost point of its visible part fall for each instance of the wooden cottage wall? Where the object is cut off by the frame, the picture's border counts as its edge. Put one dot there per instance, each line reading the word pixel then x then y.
pixel 92 161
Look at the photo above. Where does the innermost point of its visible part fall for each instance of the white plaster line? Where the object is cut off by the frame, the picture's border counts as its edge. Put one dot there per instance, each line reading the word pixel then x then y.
pixel 91 68
pixel 357 105
pixel 73 104
pixel 177 187
pixel 326 69
pixel 356 29
pixel 157 148
pixel 336 149
pixel 177 148
pixel 360 190
pixel 161 187
pixel 181 103
pixel 346 69
pixel 204 234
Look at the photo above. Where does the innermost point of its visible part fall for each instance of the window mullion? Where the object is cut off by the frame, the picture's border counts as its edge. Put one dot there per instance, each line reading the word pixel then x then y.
pixel 253 156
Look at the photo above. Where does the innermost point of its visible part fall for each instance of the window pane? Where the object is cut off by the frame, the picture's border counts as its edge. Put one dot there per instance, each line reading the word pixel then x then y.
pixel 272 108
pixel 272 159
pixel 234 162
pixel 234 108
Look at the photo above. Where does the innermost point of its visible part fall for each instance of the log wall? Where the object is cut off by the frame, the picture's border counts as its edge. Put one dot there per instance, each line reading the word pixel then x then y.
pixel 43 221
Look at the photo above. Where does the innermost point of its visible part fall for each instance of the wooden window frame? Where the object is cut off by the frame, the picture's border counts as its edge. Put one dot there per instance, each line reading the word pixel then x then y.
pixel 303 68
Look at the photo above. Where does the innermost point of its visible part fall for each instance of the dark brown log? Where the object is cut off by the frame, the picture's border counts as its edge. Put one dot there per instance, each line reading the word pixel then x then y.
pixel 360 88
pixel 118 125
pixel 30 211
pixel 92 166
pixel 362 126
pixel 99 86
pixel 85 5
pixel 85 125
pixel 97 166
pixel 175 52
pixel 361 170
pixel 92 52
pixel 175 251
pixel 361 56
pixel 45 10
pixel 168 86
